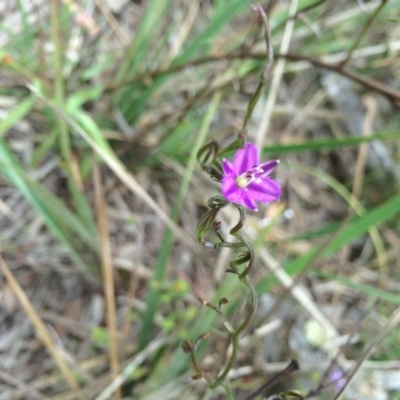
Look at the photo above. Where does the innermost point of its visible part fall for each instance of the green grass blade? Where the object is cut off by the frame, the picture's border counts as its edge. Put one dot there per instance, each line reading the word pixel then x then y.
pixel 161 264
pixel 360 225
pixel 352 230
pixel 352 202
pixel 133 100
pixel 65 226
pixel 16 114
pixel 221 18
pixel 143 37
pixel 327 144
pixel 360 287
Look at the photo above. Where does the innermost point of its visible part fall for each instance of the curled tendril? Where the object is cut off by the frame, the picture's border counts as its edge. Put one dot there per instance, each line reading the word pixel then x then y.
pixel 208 154
pixel 242 220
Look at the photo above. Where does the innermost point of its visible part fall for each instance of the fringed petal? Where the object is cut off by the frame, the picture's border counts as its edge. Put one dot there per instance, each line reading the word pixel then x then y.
pixel 245 159
pixel 265 191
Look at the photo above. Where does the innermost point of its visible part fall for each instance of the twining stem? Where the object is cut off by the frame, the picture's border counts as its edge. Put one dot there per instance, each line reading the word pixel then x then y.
pixel 229 365
pixel 246 258
pixel 227 324
pixel 253 306
pixel 207 154
pixel 237 332
pixel 197 368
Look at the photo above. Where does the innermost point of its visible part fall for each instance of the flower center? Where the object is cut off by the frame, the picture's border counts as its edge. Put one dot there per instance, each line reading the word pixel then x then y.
pixel 252 175
pixel 242 181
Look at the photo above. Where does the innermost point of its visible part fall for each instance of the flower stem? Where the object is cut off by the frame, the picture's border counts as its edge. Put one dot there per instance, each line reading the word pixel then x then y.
pixel 218 381
pixel 253 306
pixel 237 332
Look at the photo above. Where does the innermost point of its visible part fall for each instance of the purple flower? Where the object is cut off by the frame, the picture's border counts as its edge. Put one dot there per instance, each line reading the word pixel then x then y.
pixel 246 181
pixel 337 378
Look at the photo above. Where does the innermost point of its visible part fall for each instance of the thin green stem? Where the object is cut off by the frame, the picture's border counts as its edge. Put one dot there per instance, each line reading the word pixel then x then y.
pixel 253 306
pixel 236 334
pixel 197 368
pixel 218 381
pixel 362 34
pixel 227 324
pixel 243 277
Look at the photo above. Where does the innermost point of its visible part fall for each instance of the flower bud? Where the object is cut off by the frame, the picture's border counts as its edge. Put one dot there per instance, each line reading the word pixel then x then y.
pixel 222 301
pixel 204 335
pixel 216 202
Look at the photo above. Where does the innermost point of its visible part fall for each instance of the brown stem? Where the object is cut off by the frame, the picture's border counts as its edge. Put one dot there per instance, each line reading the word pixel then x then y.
pixel 392 94
pixel 293 366
pixel 268 42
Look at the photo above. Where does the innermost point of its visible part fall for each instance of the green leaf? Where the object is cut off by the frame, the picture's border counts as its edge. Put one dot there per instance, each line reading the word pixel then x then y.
pixel 16 114
pixel 80 97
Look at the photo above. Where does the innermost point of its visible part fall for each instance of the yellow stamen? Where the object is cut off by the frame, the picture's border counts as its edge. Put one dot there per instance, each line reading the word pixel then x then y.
pixel 242 181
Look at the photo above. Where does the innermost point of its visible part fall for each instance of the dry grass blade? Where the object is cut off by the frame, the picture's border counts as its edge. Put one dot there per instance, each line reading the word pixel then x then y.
pixel 183 33
pixel 302 296
pixel 361 163
pixel 364 31
pixel 372 109
pixel 108 276
pixel 130 368
pixel 115 26
pixel 391 323
pixel 276 76
pixel 39 325
pixel 21 386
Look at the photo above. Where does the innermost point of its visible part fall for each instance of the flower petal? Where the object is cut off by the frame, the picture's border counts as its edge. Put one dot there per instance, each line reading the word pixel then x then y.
pixel 230 190
pixel 249 203
pixel 245 159
pixel 227 167
pixel 268 167
pixel 265 191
